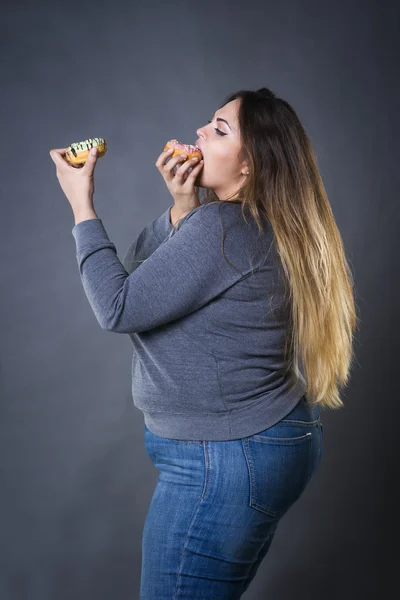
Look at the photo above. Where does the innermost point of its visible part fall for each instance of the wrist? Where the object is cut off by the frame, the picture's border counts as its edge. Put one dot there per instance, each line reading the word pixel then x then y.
pixel 176 214
pixel 84 215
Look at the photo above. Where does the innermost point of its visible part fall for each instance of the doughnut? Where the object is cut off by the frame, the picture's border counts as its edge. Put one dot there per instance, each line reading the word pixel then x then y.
pixel 189 149
pixel 78 152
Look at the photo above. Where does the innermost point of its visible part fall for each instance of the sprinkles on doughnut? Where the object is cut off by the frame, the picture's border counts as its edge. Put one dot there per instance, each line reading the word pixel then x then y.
pixel 179 148
pixel 78 152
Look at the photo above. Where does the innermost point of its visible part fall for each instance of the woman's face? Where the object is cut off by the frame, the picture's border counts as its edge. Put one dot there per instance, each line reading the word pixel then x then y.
pixel 222 170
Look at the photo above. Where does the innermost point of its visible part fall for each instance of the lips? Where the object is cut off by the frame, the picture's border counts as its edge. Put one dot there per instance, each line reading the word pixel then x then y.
pixel 199 147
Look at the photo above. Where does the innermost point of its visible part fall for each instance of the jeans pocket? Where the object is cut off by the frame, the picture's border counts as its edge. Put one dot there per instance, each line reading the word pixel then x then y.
pixel 279 463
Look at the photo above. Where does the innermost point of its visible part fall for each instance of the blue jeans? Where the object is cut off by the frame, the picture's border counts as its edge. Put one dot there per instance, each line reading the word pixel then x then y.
pixel 217 504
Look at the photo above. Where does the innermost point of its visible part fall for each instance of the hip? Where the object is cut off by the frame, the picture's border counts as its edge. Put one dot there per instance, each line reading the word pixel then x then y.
pixel 266 472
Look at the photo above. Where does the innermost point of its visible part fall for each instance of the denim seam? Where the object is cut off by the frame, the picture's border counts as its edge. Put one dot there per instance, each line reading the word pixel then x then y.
pixel 283 441
pixel 298 422
pixel 186 441
pixel 206 471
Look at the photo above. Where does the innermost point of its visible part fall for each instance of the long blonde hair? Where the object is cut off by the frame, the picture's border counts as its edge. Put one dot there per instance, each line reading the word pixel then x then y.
pixel 285 185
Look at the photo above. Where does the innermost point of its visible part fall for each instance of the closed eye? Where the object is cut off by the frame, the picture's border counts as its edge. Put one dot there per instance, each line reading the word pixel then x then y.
pixel 218 131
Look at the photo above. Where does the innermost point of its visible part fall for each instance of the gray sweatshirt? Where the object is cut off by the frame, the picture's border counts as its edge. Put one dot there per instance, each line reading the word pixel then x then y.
pixel 208 334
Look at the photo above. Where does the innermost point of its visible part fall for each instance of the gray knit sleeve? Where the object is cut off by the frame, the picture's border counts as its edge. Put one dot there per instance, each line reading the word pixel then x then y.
pixel 148 240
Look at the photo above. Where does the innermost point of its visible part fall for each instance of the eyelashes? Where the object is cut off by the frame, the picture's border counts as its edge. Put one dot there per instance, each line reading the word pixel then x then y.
pixel 218 131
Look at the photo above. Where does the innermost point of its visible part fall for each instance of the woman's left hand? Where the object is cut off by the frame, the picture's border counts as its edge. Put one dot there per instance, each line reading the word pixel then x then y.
pixel 77 182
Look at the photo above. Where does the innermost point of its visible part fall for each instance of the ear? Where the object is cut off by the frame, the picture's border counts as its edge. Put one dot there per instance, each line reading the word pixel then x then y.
pixel 245 170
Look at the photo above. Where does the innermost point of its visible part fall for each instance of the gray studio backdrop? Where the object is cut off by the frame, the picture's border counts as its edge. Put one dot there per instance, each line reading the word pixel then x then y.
pixel 76 481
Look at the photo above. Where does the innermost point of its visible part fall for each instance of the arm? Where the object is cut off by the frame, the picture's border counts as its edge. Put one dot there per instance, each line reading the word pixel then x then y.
pixel 180 276
pixel 177 214
pixel 149 239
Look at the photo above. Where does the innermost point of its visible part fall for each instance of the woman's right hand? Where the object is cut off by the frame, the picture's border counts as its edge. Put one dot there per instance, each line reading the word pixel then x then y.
pixel 181 185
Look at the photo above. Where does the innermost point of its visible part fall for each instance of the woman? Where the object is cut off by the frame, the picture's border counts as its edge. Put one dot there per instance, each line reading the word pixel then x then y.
pixel 233 357
pixel 217 503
